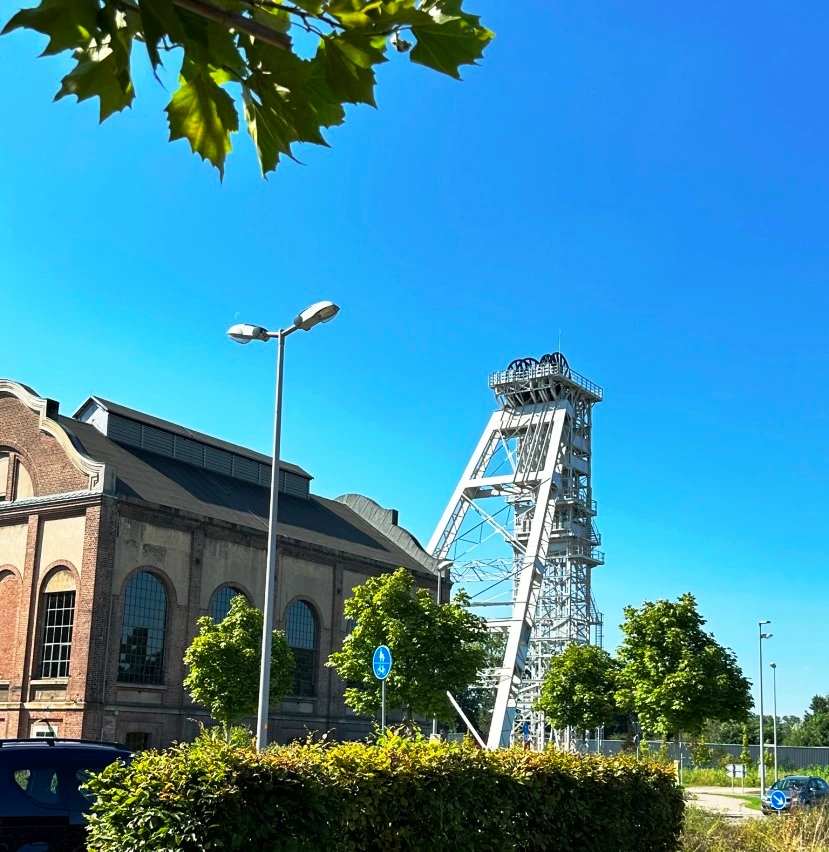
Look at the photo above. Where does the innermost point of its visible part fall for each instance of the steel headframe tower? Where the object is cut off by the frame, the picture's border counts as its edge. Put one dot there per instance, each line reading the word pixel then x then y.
pixel 529 486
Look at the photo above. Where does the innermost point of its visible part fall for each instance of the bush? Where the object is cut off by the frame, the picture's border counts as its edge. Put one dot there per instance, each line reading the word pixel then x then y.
pixel 800 832
pixel 398 795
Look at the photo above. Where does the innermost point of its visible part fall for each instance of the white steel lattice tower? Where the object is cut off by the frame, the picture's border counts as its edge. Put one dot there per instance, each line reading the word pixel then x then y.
pixel 528 484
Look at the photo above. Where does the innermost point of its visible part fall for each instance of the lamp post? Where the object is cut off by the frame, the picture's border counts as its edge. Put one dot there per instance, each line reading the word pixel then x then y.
pixel 762 743
pixel 774 690
pixel 244 333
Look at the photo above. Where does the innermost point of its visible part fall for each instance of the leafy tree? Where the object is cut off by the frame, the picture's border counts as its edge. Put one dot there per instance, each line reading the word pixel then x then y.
pixel 673 674
pixel 224 662
pixel 435 648
pixel 819 705
pixel 223 47
pixel 579 688
pixel 745 753
pixel 814 729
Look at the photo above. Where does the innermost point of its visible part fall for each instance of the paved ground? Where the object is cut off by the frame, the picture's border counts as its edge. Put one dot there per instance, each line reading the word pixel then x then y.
pixel 721 800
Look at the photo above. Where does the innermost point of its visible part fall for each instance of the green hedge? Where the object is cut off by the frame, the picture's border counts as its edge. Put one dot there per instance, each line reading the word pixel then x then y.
pixel 401 795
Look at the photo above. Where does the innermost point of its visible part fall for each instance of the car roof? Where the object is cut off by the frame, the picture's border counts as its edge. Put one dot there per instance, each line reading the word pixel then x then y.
pixel 49 745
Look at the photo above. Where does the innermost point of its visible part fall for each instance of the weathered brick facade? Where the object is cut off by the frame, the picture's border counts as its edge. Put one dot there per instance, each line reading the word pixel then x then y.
pixel 82 512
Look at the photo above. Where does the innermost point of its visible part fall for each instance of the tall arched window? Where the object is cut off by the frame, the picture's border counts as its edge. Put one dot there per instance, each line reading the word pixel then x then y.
pixel 58 618
pixel 142 634
pixel 302 634
pixel 220 602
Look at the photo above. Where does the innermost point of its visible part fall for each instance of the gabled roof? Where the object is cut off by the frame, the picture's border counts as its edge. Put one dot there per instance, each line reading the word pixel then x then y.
pixel 184 432
pixel 144 476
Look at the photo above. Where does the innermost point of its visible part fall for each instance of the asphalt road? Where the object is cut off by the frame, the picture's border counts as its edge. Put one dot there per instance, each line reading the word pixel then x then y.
pixel 721 800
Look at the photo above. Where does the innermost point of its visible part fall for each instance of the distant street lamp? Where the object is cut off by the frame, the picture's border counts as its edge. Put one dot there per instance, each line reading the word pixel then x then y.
pixel 762 742
pixel 244 333
pixel 774 681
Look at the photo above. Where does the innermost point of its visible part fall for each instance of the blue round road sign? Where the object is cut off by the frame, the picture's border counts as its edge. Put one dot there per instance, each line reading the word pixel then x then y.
pixel 778 800
pixel 381 662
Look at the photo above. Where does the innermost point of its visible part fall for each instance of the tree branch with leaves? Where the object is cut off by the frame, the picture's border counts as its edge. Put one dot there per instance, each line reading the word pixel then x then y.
pixel 240 56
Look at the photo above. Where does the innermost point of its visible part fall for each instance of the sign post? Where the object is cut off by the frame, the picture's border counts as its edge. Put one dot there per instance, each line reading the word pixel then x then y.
pixel 381 666
pixel 736 770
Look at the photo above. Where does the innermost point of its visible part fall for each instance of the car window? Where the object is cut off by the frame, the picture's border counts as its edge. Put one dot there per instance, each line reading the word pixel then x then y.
pixel 80 799
pixel 41 784
pixel 789 784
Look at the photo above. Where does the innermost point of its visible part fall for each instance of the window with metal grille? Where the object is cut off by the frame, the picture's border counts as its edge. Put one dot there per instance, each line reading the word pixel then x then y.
pixel 301 632
pixel 142 634
pixel 137 740
pixel 56 646
pixel 220 602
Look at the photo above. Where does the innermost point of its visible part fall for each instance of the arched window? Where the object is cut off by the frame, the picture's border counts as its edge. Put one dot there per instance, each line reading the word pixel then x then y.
pixel 58 619
pixel 142 634
pixel 4 475
pixel 220 602
pixel 301 632
pixel 15 481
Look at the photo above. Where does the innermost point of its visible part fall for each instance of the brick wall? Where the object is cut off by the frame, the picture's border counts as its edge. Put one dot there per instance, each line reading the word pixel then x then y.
pixel 44 458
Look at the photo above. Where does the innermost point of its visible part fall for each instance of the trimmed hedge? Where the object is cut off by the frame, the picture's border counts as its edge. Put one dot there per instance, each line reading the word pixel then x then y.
pixel 400 795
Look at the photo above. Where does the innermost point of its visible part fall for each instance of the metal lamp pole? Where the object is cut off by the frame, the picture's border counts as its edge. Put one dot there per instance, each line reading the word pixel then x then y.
pixel 244 333
pixel 762 742
pixel 774 682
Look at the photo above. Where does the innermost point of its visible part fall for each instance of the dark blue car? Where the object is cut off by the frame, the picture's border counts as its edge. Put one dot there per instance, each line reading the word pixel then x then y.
pixel 41 806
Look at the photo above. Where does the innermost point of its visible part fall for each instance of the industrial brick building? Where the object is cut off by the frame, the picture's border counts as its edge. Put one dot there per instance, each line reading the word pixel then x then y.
pixel 119 530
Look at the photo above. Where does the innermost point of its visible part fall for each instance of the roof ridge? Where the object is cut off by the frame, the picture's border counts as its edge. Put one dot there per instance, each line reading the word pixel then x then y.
pixel 185 432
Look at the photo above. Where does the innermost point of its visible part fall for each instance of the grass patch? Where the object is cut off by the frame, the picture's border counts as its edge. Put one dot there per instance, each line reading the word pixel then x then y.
pixel 800 832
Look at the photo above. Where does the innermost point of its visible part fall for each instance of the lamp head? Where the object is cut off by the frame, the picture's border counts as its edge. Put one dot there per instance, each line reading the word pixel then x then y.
pixel 243 333
pixel 764 622
pixel 315 314
pixel 773 665
pixel 766 635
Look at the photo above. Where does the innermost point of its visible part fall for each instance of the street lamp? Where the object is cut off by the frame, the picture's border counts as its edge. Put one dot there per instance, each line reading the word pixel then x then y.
pixel 774 681
pixel 762 743
pixel 244 333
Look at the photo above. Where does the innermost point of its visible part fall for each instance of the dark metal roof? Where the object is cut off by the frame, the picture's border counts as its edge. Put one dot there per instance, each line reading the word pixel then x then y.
pixel 183 431
pixel 160 480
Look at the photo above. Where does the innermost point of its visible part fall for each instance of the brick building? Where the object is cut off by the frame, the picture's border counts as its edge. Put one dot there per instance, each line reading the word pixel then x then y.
pixel 119 530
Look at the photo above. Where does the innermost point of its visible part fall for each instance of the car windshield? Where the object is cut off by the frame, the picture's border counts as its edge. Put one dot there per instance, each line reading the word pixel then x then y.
pixel 790 784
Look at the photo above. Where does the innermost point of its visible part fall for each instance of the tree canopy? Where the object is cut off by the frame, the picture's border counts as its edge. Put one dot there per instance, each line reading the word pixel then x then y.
pixel 224 662
pixel 288 67
pixel 673 674
pixel 814 729
pixel 579 688
pixel 435 648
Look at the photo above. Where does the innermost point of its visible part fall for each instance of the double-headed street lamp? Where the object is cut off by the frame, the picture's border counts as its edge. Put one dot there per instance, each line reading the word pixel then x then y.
pixel 762 743
pixel 774 691
pixel 244 333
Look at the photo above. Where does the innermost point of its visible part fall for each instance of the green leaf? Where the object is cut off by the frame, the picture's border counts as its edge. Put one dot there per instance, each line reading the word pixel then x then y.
pixel 160 19
pixel 69 24
pixel 97 75
pixel 205 115
pixel 350 60
pixel 452 39
pixel 270 132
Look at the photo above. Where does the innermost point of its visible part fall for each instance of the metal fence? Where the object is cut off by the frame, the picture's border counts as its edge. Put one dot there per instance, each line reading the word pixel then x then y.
pixel 789 757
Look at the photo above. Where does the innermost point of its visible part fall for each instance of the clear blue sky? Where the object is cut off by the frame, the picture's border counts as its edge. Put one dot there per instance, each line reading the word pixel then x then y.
pixel 650 178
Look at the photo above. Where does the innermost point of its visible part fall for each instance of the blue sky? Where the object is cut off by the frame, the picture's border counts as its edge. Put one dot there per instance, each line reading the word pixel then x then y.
pixel 651 181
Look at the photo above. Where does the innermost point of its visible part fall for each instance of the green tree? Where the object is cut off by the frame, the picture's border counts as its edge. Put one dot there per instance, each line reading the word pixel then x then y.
pixel 288 88
pixel 673 674
pixel 435 649
pixel 224 661
pixel 745 753
pixel 579 688
pixel 814 729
